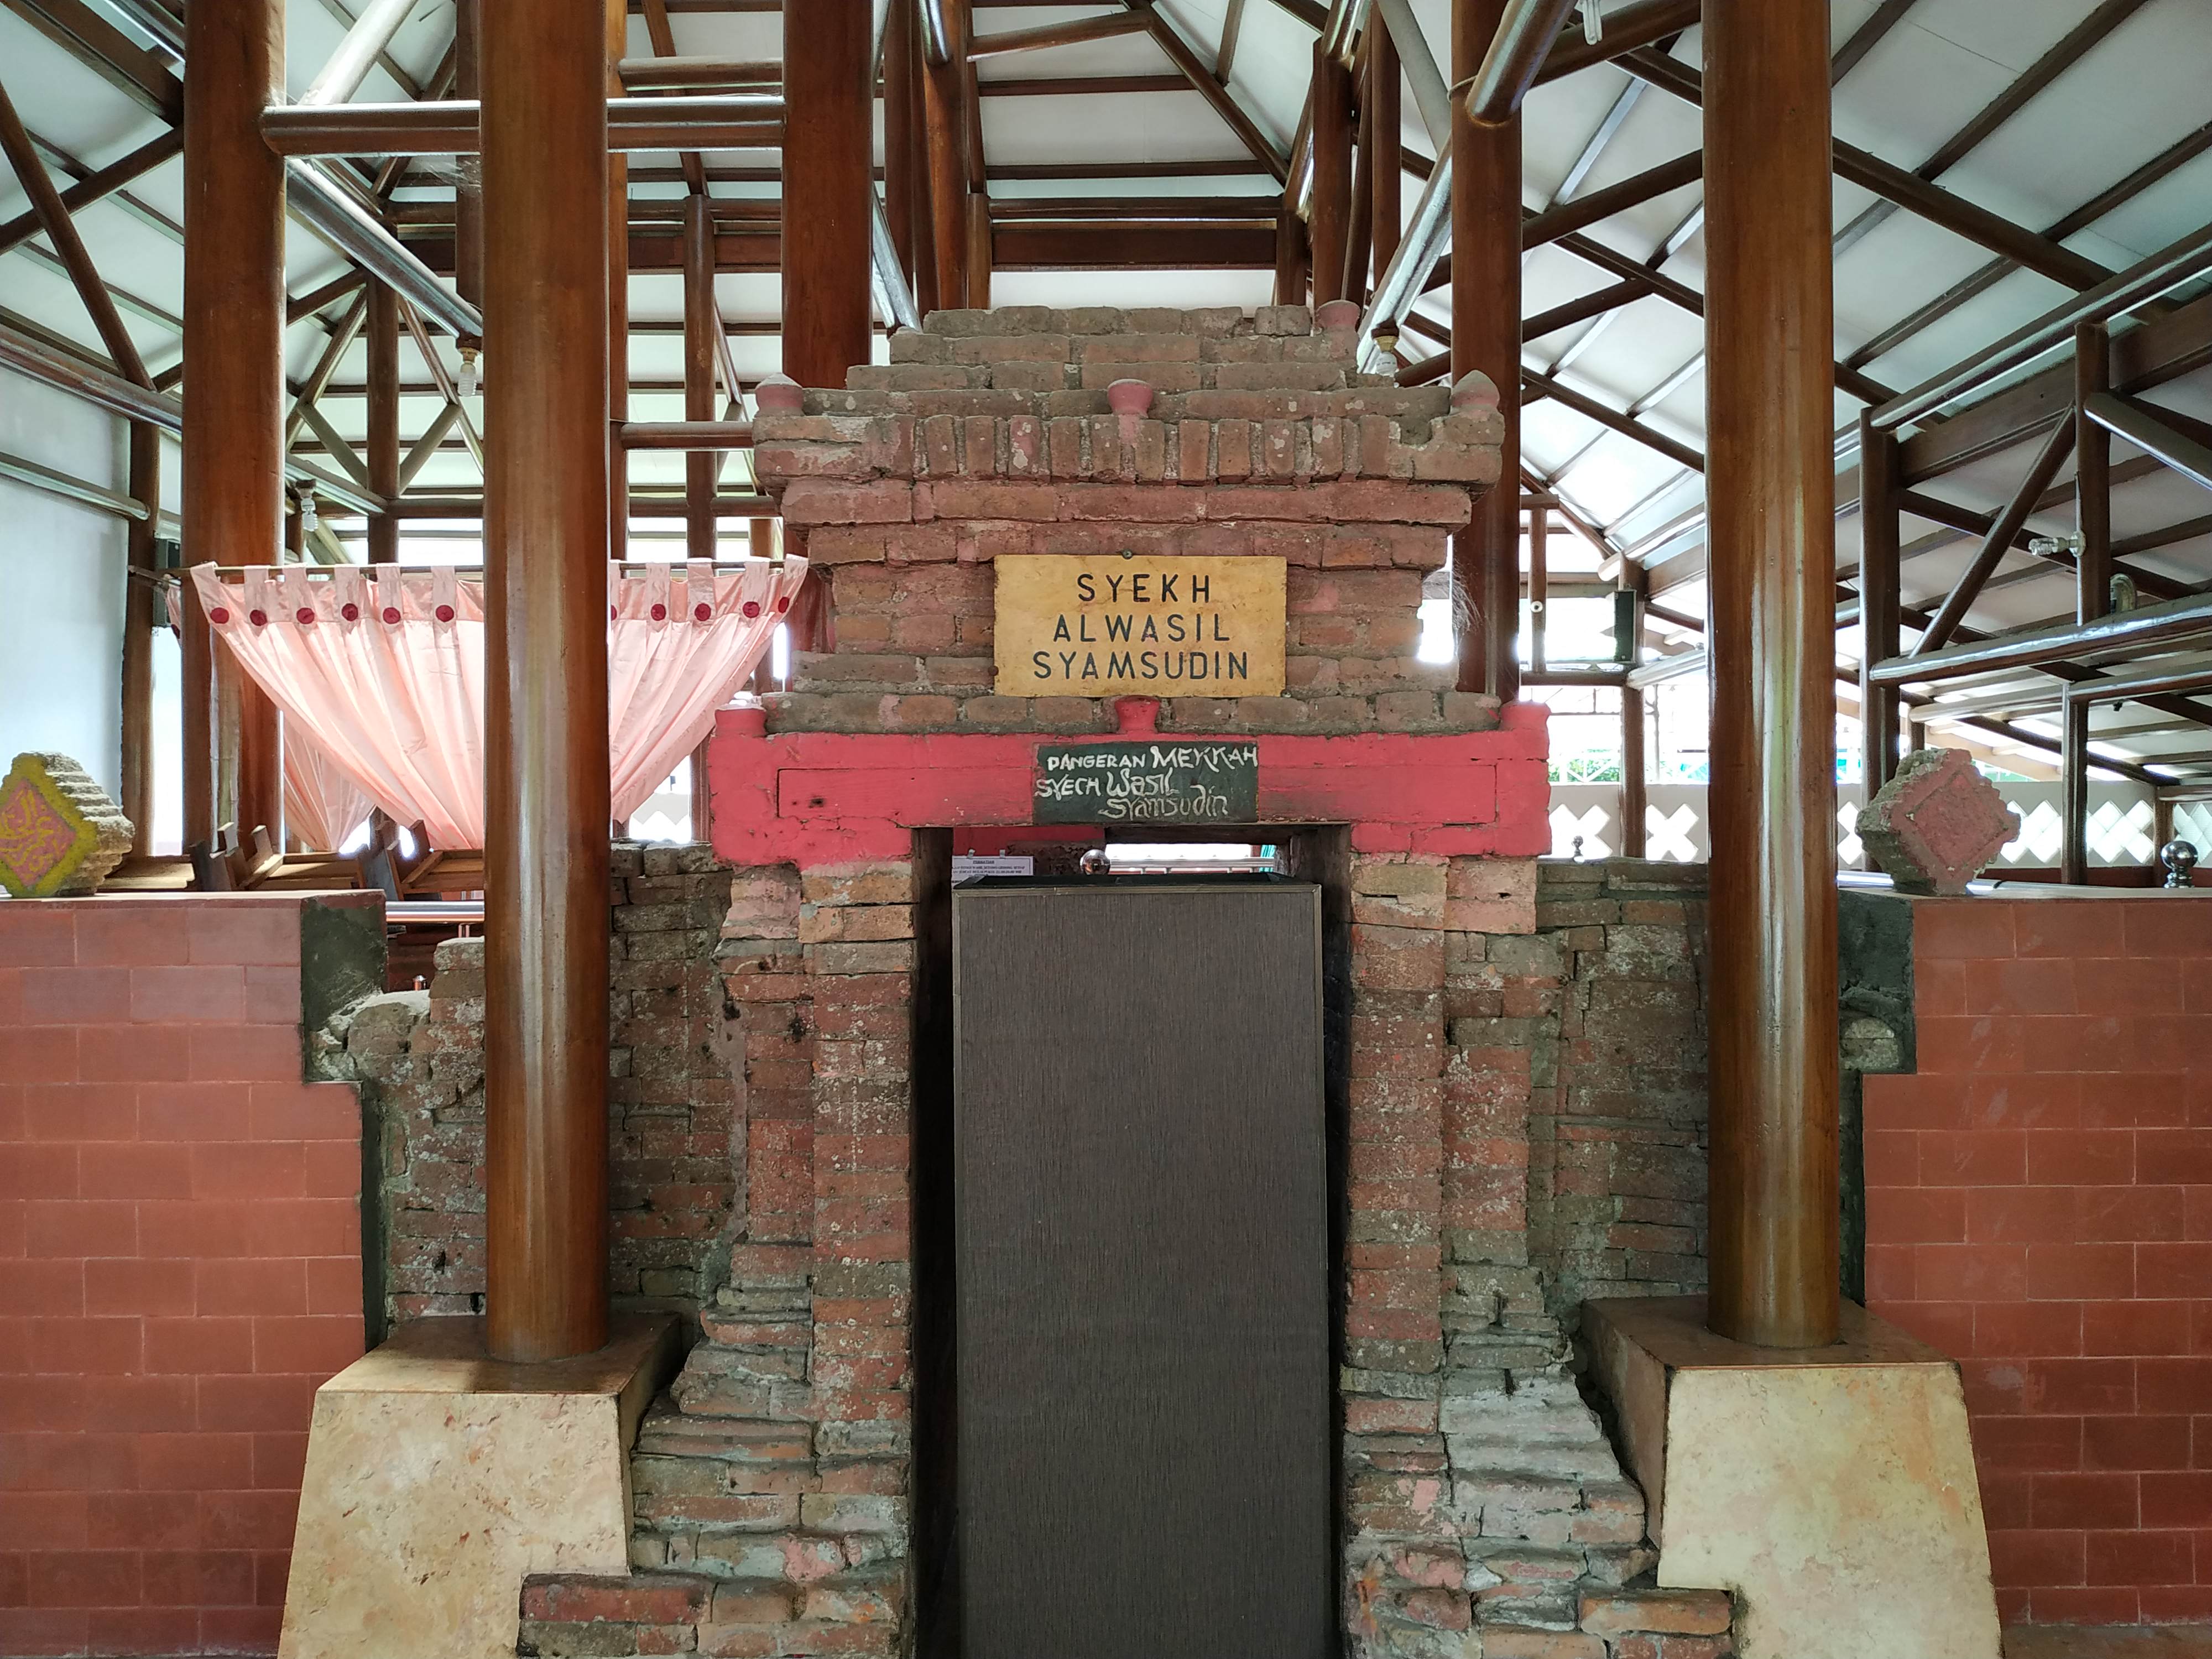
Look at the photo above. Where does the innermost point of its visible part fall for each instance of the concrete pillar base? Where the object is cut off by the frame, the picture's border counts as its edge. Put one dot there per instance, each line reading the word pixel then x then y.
pixel 1831 1489
pixel 437 1478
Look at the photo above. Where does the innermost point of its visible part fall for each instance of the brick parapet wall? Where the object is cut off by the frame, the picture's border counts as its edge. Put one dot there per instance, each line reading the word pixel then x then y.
pixel 989 434
pixel 180 1213
pixel 2038 1204
pixel 675 1169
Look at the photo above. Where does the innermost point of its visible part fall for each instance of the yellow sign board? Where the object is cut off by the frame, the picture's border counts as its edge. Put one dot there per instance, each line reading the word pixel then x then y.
pixel 1137 622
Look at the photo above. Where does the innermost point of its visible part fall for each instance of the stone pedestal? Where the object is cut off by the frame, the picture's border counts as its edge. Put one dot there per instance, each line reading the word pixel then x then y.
pixel 437 1479
pixel 1831 1489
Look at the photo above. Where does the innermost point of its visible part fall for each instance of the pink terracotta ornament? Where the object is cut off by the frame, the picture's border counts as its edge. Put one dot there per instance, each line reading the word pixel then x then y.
pixel 1474 393
pixel 1336 314
pixel 1938 824
pixel 1130 400
pixel 779 394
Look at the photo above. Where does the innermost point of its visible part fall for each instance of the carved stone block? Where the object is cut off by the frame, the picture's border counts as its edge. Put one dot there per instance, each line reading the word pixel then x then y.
pixel 1937 823
pixel 60 833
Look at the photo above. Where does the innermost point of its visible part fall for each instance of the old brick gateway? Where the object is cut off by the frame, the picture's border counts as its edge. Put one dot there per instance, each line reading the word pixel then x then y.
pixel 788 998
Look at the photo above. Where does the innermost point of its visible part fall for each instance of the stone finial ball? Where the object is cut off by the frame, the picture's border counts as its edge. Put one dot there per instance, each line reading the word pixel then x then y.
pixel 1474 393
pixel 779 394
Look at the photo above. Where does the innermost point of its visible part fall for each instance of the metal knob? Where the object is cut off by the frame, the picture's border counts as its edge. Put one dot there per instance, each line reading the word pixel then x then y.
pixel 2180 857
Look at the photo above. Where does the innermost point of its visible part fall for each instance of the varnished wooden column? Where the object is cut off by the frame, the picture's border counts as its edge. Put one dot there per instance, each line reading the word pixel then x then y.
pixel 618 24
pixel 900 105
pixel 383 419
pixel 913 139
pixel 945 125
pixel 1383 99
pixel 699 464
pixel 2093 586
pixel 468 170
pixel 1290 256
pixel 1359 227
pixel 1331 223
pixel 1879 638
pixel 828 152
pixel 2093 475
pixel 1635 784
pixel 1770 401
pixel 1485 274
pixel 233 436
pixel 545 770
pixel 137 759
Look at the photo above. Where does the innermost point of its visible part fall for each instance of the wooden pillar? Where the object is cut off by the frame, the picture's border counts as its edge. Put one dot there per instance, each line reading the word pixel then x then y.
pixel 1290 256
pixel 944 128
pixel 1332 172
pixel 546 763
pixel 703 798
pixel 1635 783
pixel 1539 535
pixel 915 142
pixel 1770 399
pixel 2093 585
pixel 137 771
pixel 1485 274
pixel 468 170
pixel 1360 226
pixel 1879 638
pixel 383 419
pixel 979 243
pixel 617 20
pixel 233 436
pixel 899 109
pixel 1635 778
pixel 2093 475
pixel 700 466
pixel 2074 793
pixel 828 175
pixel 1385 143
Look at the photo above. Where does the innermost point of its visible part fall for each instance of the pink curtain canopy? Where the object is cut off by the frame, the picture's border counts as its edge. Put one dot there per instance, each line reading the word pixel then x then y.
pixel 323 805
pixel 384 667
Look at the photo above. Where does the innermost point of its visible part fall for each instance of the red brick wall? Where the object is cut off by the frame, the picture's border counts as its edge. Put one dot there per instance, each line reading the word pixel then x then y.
pixel 181 1218
pixel 2040 1204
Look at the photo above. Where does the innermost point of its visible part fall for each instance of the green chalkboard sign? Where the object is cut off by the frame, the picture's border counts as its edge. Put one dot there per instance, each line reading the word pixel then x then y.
pixel 1155 780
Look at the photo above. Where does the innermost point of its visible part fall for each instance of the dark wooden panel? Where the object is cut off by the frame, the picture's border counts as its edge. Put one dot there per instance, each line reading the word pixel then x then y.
pixel 1141 1244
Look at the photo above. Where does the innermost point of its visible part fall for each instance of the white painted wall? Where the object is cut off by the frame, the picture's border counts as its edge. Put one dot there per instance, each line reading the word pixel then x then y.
pixel 61 585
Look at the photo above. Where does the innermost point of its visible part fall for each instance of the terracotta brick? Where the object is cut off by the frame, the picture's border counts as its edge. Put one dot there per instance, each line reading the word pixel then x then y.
pixel 1971 927
pixel 1972 1159
pixel 2042 1557
pixel 2023 1330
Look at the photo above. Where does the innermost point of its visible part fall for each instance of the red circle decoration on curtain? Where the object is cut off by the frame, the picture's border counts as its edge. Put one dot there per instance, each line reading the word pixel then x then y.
pixel 305 616
pixel 391 614
pixel 660 613
pixel 350 612
pixel 752 608
pixel 782 605
pixel 444 613
pixel 219 615
pixel 259 618
pixel 703 611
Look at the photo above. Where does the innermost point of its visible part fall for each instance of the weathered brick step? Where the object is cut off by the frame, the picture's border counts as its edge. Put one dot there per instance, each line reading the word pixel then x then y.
pixel 843 1610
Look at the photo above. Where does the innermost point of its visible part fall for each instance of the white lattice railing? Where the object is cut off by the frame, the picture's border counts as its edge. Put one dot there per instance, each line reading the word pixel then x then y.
pixel 2121 822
